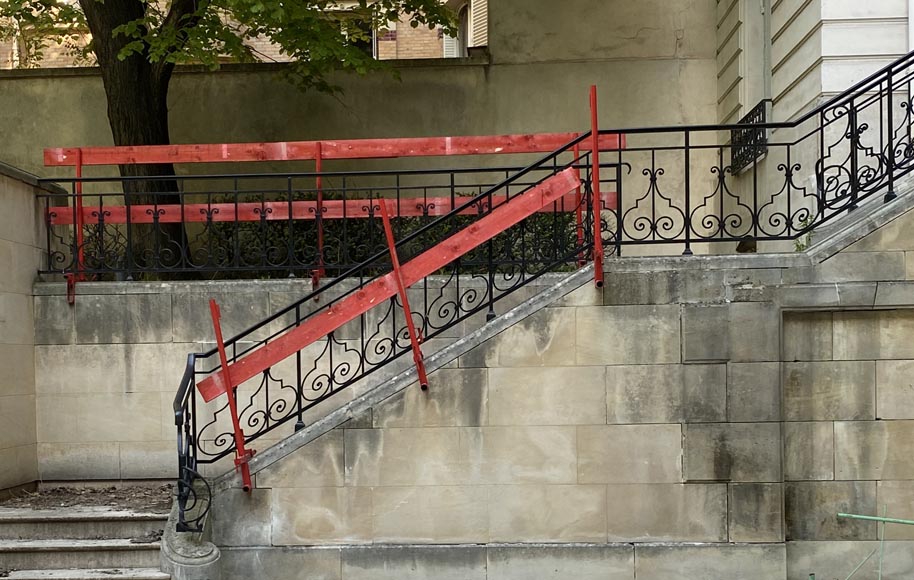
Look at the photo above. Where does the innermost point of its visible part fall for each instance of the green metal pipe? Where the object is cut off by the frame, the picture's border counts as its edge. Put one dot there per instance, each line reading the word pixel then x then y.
pixel 877 519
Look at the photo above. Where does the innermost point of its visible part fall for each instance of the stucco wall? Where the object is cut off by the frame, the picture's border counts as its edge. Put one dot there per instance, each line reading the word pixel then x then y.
pixel 543 60
pixel 20 257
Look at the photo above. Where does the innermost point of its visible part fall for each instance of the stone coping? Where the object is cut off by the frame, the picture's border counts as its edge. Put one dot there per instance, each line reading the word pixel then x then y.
pixel 29 179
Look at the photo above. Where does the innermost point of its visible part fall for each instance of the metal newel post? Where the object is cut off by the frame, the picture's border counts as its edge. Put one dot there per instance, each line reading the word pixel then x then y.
pixel 595 191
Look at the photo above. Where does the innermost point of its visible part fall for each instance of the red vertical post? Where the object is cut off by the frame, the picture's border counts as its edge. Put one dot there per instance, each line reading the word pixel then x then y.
pixel 401 289
pixel 319 182
pixel 578 210
pixel 77 276
pixel 242 455
pixel 595 193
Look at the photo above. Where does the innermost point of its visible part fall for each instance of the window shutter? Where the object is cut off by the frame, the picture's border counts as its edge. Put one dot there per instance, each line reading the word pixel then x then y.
pixel 451 47
pixel 479 22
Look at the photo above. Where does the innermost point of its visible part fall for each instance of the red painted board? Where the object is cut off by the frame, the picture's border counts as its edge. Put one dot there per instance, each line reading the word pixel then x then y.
pixel 306 150
pixel 383 288
pixel 279 210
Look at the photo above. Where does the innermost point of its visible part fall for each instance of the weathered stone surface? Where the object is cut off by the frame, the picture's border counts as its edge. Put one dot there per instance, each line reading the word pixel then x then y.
pixel 754 332
pixel 73 461
pixel 503 455
pixel 895 235
pixel 125 318
pixel 75 369
pixel 16 319
pixel 547 396
pixel 321 515
pixel 586 295
pixel 547 513
pixel 873 335
pixel 809 451
pixel 717 562
pixel 240 310
pixel 838 559
pixel 874 450
pixel 404 457
pixel 55 320
pixel 753 392
pixel 705 333
pixel 895 389
pixel 18 364
pixel 667 513
pixel 414 563
pixel 828 391
pixel 756 512
pixel 561 563
pixel 456 397
pixel 457 456
pixel 630 454
pixel 843 294
pixel 17 420
pixel 807 336
pixel 861 266
pixel 433 514
pixel 895 294
pixel 666 393
pixel 22 465
pixel 148 460
pixel 895 497
pixel 546 338
pixel 811 508
pixel 613 335
pixel 317 464
pixel 733 452
pixel 280 563
pixel 241 518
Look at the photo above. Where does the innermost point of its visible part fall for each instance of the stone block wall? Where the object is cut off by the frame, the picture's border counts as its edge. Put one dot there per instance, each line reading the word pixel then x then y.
pixel 107 368
pixel 20 256
pixel 699 417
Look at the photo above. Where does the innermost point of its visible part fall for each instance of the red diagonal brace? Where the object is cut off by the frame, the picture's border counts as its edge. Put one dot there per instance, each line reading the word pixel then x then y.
pixel 242 455
pixel 401 289
pixel 383 288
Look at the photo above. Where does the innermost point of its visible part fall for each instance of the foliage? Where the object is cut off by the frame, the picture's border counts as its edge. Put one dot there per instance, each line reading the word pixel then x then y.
pixel 34 25
pixel 318 36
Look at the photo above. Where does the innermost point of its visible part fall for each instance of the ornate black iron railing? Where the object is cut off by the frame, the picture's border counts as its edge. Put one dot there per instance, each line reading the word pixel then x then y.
pixel 680 184
pixel 672 185
pixel 443 306
pixel 250 225
pixel 749 145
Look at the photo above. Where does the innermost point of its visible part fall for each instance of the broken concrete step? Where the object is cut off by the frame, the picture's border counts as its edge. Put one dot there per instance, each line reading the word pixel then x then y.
pixel 91 574
pixel 87 523
pixel 51 554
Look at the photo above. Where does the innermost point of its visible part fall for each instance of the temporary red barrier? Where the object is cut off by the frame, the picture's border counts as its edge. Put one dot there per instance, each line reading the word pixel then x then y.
pixel 376 292
pixel 279 210
pixel 324 150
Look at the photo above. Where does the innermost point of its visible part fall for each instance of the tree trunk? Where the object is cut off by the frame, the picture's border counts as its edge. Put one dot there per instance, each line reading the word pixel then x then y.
pixel 136 91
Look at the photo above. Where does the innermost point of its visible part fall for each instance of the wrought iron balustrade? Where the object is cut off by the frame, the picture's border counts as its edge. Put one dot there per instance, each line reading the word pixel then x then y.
pixel 686 185
pixel 263 225
pixel 443 306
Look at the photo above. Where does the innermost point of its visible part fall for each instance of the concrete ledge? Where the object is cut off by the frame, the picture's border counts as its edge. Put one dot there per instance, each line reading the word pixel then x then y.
pixel 722 262
pixel 29 179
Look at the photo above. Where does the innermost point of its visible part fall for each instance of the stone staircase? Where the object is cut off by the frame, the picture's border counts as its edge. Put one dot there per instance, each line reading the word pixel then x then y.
pixel 80 543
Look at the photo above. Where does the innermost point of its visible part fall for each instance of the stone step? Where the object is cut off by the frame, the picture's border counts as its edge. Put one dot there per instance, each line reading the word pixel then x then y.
pixel 86 523
pixel 88 554
pixel 91 574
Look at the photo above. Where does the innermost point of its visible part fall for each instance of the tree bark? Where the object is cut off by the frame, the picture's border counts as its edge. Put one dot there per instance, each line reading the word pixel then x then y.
pixel 136 91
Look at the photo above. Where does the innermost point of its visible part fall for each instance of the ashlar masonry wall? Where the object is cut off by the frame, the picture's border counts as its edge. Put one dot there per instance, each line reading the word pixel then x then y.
pixel 20 257
pixel 700 417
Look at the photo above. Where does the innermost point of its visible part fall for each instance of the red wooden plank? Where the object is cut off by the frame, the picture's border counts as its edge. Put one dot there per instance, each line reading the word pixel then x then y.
pixel 383 288
pixel 307 150
pixel 279 210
